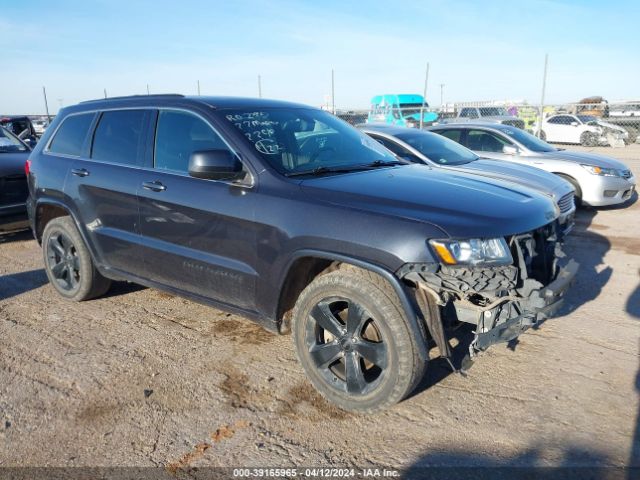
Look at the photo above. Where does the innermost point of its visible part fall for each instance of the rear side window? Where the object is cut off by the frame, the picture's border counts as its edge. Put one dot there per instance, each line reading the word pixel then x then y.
pixel 71 135
pixel 178 135
pixel 451 134
pixel 118 137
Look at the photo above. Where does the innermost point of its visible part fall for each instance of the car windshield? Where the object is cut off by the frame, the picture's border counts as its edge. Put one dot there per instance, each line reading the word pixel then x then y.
pixel 299 140
pixel 438 149
pixel 529 141
pixel 9 143
pixel 492 111
pixel 408 109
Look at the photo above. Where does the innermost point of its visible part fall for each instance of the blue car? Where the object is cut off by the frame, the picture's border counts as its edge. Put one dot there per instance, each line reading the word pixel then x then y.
pixel 401 110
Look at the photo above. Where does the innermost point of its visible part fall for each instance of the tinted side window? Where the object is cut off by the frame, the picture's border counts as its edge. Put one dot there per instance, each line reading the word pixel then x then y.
pixel 71 135
pixel 397 149
pixel 118 137
pixel 178 135
pixel 465 112
pixel 451 134
pixel 482 141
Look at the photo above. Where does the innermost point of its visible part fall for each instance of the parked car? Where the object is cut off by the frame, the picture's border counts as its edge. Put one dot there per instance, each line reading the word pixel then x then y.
pixel 40 126
pixel 401 109
pixel 437 151
pixel 485 114
pixel 286 214
pixel 13 181
pixel 597 179
pixel 21 127
pixel 584 130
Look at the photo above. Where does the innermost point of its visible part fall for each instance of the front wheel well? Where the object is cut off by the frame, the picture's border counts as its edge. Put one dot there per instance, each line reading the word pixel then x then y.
pixel 44 214
pixel 301 273
pixel 573 182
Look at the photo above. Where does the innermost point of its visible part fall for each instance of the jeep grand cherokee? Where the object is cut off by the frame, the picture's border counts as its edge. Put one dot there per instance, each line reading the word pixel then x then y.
pixel 285 214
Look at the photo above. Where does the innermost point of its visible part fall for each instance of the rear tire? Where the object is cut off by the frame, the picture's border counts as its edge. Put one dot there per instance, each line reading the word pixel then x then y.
pixel 354 341
pixel 68 263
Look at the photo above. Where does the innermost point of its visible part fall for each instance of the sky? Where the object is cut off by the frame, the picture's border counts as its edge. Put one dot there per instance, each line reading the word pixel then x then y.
pixel 479 50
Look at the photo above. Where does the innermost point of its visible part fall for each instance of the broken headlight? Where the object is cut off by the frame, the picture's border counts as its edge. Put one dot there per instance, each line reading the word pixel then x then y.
pixel 476 251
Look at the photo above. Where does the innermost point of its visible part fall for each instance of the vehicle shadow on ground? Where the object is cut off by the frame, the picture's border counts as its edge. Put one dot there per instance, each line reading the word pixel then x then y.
pixel 633 308
pixel 122 288
pixel 18 283
pixel 15 236
pixel 569 463
pixel 587 247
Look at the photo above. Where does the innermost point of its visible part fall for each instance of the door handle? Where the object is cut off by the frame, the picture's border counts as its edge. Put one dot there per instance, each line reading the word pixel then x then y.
pixel 80 172
pixel 156 186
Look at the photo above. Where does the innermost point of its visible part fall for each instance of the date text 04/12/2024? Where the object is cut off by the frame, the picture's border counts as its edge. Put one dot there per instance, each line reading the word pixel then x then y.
pixel 315 473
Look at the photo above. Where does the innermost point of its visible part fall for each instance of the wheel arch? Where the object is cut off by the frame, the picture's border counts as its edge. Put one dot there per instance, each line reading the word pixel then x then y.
pixel 306 265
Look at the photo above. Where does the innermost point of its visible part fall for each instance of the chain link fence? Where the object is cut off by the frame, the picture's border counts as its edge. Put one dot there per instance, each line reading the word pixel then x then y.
pixel 592 122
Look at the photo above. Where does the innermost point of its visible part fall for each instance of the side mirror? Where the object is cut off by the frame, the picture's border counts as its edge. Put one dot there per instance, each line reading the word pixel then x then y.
pixel 510 150
pixel 215 165
pixel 574 124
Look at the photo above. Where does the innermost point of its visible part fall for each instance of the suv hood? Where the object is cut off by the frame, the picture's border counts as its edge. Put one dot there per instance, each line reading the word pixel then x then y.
pixel 532 177
pixel 586 158
pixel 463 205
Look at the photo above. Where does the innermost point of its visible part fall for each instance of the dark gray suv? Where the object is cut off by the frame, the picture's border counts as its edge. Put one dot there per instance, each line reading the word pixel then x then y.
pixel 287 215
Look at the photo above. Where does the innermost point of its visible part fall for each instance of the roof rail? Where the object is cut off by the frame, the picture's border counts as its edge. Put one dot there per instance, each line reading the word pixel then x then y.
pixel 158 95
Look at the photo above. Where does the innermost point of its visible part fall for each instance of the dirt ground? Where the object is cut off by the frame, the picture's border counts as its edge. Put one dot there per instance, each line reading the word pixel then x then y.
pixel 141 378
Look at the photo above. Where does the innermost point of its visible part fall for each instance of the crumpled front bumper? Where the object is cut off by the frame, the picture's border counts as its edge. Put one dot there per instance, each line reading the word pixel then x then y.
pixel 542 304
pixel 500 302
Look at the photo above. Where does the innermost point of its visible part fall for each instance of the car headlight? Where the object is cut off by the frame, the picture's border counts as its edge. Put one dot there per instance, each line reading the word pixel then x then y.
pixel 603 172
pixel 475 251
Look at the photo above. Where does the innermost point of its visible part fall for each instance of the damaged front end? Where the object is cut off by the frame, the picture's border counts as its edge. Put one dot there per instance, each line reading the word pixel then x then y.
pixel 501 301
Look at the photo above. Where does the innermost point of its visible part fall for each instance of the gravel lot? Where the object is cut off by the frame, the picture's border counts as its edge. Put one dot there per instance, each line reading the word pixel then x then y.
pixel 142 378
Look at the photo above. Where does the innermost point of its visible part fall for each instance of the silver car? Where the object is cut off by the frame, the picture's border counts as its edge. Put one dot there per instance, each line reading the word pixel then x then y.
pixel 428 148
pixel 598 180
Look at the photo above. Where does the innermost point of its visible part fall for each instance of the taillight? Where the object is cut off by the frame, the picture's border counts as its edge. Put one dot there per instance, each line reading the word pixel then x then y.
pixel 27 167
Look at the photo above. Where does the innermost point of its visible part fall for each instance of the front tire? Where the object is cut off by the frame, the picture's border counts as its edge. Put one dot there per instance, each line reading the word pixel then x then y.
pixel 588 139
pixel 354 342
pixel 68 263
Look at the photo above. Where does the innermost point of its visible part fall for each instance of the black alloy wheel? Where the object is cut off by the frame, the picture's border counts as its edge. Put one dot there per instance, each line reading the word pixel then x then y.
pixel 346 346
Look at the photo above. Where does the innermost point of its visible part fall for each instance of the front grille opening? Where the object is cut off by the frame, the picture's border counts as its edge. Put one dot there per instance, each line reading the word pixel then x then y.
pixel 566 203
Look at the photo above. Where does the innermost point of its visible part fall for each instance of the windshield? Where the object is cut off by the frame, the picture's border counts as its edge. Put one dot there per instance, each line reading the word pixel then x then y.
pixel 298 139
pixel 492 111
pixel 408 109
pixel 438 149
pixel 9 143
pixel 529 141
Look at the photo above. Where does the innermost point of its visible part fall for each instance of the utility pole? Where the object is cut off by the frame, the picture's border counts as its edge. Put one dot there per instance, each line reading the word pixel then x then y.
pixel 441 96
pixel 424 96
pixel 105 93
pixel 46 104
pixel 544 87
pixel 259 87
pixel 198 87
pixel 333 94
pixel 147 89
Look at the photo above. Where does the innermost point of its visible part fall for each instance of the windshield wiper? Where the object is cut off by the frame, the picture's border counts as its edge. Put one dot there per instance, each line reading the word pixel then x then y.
pixel 346 169
pixel 384 163
pixel 321 171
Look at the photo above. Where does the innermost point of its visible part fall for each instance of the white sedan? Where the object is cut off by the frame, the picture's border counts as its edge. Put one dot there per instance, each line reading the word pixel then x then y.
pixel 585 130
